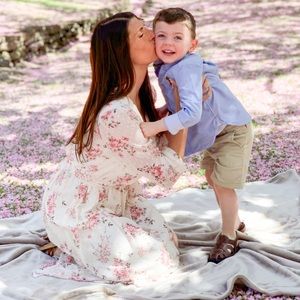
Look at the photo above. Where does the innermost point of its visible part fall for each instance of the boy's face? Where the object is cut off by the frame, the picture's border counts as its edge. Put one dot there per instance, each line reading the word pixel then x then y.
pixel 172 41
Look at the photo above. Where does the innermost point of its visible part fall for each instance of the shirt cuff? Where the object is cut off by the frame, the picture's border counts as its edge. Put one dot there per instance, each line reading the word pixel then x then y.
pixel 173 123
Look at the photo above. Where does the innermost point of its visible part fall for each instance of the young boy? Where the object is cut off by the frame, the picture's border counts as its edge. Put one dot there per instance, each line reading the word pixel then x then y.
pixel 220 125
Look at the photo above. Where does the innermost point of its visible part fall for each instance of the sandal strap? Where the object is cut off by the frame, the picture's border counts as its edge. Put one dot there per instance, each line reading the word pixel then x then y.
pixel 223 248
pixel 242 227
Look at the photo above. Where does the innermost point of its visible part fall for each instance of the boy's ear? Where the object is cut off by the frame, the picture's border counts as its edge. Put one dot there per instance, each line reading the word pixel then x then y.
pixel 194 45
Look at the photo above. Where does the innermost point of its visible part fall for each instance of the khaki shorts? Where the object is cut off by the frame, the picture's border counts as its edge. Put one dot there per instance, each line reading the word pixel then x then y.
pixel 229 156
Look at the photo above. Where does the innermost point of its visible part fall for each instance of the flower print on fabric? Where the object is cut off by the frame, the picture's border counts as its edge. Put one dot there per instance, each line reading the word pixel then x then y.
pixel 103 250
pixel 82 193
pixel 94 211
pixel 86 171
pixel 122 181
pixel 92 153
pixel 51 204
pixel 109 116
pixel 122 270
pixel 144 156
pixel 132 230
pixel 93 219
pixel 136 212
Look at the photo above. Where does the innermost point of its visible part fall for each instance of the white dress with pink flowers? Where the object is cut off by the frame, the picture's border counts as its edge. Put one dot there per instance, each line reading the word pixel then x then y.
pixel 95 213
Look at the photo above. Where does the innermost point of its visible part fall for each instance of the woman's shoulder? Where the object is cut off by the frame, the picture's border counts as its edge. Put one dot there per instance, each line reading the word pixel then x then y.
pixel 121 108
pixel 121 104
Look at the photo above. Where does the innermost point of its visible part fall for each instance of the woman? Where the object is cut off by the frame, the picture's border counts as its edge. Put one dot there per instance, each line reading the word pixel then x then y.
pixel 92 207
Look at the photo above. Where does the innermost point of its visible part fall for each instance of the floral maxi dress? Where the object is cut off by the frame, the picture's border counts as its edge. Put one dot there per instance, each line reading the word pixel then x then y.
pixel 94 212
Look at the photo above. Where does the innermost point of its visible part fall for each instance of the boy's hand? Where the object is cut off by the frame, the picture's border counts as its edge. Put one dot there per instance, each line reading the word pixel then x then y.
pixel 150 129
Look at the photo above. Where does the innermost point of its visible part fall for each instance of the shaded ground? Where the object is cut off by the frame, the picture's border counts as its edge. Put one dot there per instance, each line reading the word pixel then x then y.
pixel 257 47
pixel 15 15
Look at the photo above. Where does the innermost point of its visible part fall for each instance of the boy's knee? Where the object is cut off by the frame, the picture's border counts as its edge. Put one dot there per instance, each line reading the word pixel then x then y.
pixel 208 177
pixel 223 189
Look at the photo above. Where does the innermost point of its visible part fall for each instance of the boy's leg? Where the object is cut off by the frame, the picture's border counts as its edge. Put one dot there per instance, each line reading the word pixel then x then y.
pixel 228 202
pixel 224 194
pixel 226 164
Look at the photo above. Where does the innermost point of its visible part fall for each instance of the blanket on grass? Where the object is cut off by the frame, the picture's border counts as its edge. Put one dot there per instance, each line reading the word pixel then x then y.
pixel 269 259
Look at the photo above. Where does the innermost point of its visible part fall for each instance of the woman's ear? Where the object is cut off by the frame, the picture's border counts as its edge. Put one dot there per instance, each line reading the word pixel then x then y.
pixel 194 45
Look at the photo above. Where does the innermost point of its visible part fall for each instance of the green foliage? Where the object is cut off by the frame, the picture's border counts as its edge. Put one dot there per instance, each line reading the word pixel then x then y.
pixel 201 172
pixel 2 192
pixel 254 123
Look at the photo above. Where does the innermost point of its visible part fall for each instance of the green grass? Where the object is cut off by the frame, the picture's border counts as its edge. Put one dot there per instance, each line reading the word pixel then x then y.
pixel 57 4
pixel 201 172
pixel 254 124
pixel 2 193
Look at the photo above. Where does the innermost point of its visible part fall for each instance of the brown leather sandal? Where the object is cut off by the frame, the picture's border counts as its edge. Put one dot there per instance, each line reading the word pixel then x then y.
pixel 223 248
pixel 242 227
pixel 49 248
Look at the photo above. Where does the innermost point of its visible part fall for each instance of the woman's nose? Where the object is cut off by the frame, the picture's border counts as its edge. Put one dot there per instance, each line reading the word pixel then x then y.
pixel 150 33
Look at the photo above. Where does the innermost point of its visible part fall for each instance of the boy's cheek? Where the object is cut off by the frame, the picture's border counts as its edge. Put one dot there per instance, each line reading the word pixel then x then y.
pixel 157 44
pixel 156 47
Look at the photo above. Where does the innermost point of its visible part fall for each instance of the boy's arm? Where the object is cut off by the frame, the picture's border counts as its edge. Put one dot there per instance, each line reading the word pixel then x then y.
pixel 188 79
pixel 153 128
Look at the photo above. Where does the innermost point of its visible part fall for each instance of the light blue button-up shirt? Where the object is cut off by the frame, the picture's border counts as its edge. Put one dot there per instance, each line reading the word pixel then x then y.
pixel 203 118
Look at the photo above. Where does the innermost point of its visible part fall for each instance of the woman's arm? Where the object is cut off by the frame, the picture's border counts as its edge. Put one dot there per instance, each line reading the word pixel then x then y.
pixel 177 142
pixel 122 138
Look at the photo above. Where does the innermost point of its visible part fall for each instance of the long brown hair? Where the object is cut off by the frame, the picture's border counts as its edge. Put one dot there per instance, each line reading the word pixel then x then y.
pixel 112 77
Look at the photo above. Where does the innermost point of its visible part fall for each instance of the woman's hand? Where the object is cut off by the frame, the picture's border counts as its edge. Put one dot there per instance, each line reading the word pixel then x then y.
pixel 206 89
pixel 177 142
pixel 174 87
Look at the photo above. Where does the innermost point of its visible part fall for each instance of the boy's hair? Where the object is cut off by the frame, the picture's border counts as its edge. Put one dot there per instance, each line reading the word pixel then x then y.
pixel 176 14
